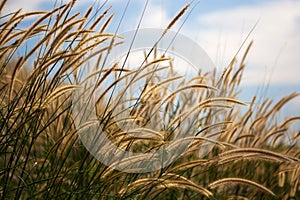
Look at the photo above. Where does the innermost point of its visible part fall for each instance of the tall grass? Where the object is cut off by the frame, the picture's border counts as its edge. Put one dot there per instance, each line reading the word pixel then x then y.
pixel 42 157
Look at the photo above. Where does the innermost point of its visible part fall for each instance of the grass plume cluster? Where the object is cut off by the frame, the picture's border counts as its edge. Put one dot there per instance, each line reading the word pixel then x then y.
pixel 42 157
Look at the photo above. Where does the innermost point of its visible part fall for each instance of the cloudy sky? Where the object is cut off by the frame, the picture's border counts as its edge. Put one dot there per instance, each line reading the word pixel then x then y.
pixel 220 27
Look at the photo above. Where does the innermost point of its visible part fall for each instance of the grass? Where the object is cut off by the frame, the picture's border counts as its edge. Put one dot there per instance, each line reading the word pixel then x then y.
pixel 42 157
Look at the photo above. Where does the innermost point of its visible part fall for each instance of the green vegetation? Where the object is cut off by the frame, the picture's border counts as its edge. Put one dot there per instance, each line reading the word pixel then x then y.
pixel 42 157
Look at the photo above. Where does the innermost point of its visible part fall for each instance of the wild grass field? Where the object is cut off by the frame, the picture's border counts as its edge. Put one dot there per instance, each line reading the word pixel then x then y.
pixel 42 156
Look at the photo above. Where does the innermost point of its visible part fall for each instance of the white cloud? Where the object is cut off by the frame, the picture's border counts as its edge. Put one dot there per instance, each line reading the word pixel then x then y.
pixel 30 5
pixel 34 5
pixel 276 38
pixel 155 17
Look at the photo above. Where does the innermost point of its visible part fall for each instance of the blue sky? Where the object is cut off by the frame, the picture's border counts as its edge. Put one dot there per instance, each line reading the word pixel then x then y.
pixel 220 27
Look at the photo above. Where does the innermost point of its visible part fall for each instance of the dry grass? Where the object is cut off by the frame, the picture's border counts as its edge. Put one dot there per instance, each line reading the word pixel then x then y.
pixel 253 157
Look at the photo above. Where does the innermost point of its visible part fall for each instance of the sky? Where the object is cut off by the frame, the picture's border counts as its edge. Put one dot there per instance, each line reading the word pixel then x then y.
pixel 220 27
